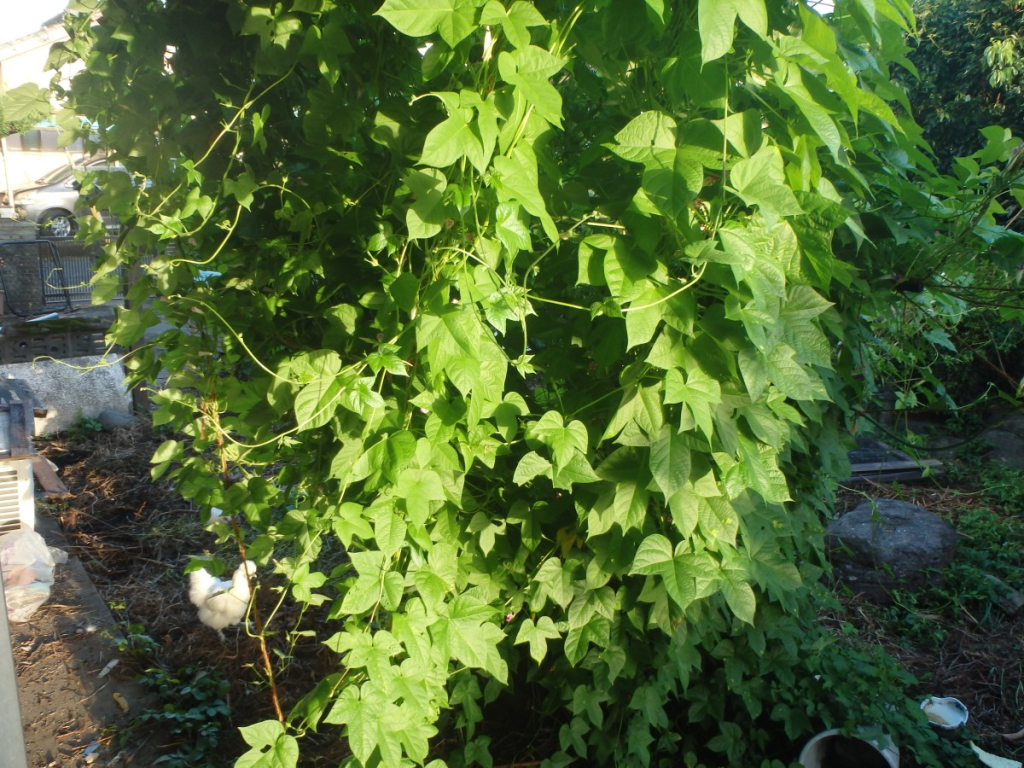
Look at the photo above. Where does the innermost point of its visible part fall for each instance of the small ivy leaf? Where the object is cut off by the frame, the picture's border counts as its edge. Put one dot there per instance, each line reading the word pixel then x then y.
pixel 716 20
pixel 169 450
pixel 759 467
pixel 387 360
pixel 431 587
pixel 576 470
pixel 676 570
pixel 587 700
pixel 792 379
pixel 452 19
pixel 471 637
pixel 419 488
pixel 347 521
pixel 316 403
pixel 515 22
pixel 700 394
pixel 528 69
pixel 530 466
pixel 426 216
pixel 670 461
pixel 487 530
pixel 649 138
pixel 761 181
pixel 360 709
pixel 739 596
pixel 555 581
pixel 389 531
pixel 537 636
pixel 271 746
pixel 563 440
pixel 513 233
pixel 451 140
pixel 595 632
pixel 517 179
pixel 241 189
pixel 672 186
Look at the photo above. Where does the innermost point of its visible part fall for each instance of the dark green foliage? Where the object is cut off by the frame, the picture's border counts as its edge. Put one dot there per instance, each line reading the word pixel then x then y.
pixel 83 428
pixel 194 713
pixel 969 59
pixel 989 358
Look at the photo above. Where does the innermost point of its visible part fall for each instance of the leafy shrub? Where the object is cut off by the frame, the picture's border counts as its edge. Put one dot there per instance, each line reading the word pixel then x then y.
pixel 551 316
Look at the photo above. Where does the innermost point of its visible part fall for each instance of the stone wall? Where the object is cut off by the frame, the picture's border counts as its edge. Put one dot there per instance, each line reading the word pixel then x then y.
pixel 22 280
pixel 71 389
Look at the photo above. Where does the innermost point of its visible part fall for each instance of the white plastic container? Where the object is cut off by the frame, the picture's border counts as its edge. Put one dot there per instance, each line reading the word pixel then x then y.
pixel 946 713
pixel 830 749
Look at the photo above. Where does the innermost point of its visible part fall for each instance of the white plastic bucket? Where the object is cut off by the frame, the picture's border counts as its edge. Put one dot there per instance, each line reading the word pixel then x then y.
pixel 831 749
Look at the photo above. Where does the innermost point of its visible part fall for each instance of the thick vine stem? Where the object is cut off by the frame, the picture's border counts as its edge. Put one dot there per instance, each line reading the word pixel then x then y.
pixel 212 413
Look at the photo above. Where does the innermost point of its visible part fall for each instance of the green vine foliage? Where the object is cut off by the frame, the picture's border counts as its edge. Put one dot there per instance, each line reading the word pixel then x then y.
pixel 525 336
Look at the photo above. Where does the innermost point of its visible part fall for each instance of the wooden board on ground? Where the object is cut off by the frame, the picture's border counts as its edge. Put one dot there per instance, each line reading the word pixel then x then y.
pixel 874 461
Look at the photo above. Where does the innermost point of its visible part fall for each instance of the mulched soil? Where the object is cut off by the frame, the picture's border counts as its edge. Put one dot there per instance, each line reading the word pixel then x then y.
pixel 136 536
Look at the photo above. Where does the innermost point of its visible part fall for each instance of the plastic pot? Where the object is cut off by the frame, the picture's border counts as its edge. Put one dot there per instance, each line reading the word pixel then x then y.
pixel 831 749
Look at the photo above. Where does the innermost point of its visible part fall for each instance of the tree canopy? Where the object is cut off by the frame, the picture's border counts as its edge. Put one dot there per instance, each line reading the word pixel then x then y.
pixel 527 338
pixel 970 61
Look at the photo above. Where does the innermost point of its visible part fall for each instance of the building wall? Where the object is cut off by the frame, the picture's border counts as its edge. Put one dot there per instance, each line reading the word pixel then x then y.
pixel 24 61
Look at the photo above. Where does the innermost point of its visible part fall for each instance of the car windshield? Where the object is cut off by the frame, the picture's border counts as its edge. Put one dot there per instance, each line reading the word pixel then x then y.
pixel 55 175
pixel 59 174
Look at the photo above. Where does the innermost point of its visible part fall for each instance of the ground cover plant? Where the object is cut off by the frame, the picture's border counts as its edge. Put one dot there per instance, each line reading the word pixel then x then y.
pixel 521 344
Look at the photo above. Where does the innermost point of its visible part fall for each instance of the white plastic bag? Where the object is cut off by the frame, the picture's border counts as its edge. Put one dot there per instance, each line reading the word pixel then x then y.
pixel 27 565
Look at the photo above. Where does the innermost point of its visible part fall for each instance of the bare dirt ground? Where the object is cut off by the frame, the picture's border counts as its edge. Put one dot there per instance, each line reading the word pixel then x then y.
pixel 72 703
pixel 134 538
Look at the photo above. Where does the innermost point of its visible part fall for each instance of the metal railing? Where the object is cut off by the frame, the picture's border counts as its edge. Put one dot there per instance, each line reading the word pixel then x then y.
pixel 68 276
pixel 47 253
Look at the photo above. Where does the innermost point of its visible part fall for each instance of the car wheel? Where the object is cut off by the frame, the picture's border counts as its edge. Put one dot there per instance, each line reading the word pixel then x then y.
pixel 57 224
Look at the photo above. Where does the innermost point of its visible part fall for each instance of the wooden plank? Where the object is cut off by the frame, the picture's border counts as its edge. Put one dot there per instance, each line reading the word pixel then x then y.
pixel 20 441
pixel 893 466
pixel 47 478
pixel 1009 599
pixel 885 477
pixel 29 397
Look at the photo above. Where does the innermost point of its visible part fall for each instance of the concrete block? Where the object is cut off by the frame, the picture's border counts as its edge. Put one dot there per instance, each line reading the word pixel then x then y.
pixel 73 388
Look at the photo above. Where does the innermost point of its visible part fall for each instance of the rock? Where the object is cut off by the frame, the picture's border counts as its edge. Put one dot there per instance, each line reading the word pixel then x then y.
pixel 884 545
pixel 112 420
pixel 1007 445
pixel 73 388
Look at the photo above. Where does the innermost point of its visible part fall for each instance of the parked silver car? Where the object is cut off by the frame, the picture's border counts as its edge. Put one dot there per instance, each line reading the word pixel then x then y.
pixel 55 200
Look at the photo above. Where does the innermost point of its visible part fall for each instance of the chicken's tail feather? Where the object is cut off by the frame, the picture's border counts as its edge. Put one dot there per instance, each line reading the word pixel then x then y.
pixel 199 583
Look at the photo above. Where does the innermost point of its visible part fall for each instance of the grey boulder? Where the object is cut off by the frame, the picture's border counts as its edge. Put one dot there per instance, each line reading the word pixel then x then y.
pixel 111 420
pixel 884 545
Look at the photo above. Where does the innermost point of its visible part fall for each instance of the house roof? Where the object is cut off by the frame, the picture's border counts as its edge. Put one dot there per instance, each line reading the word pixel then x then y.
pixel 50 32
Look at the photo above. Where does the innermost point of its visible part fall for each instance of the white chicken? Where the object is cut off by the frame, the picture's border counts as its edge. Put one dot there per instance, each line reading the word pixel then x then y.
pixel 217 516
pixel 221 603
